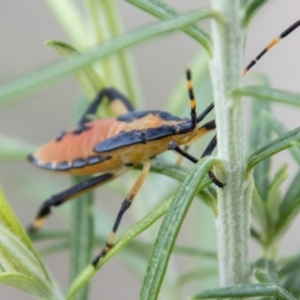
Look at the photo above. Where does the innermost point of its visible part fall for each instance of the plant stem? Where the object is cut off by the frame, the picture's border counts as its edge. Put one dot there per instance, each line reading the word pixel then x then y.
pixel 233 221
pixel 82 236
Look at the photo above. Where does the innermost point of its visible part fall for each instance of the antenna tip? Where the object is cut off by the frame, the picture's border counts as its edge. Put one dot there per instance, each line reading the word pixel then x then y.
pixel 188 74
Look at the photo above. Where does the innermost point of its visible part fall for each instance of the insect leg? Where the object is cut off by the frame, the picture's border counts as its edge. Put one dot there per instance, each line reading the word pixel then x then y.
pixel 211 147
pixel 205 112
pixel 68 194
pixel 174 146
pixel 125 205
pixel 117 101
pixel 180 157
pixel 208 151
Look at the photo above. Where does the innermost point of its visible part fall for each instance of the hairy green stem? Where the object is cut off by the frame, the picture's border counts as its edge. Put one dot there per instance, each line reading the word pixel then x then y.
pixel 233 221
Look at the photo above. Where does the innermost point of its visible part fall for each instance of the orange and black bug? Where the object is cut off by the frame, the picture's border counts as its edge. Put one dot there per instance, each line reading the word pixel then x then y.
pixel 271 44
pixel 113 146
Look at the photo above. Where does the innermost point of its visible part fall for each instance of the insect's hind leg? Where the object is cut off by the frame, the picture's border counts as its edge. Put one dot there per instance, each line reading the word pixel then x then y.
pixel 125 205
pixel 117 101
pixel 66 195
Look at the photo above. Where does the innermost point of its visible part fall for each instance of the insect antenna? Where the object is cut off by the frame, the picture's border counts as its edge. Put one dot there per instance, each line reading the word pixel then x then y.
pixel 192 99
pixel 271 44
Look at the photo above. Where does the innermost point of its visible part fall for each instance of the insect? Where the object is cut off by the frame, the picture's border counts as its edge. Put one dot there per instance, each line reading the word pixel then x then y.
pixel 111 147
pixel 271 44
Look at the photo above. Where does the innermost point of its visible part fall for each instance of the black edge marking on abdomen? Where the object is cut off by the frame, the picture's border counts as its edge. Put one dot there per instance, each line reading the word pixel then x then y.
pixel 32 159
pixel 78 163
pixel 74 164
pixel 91 160
pixel 63 166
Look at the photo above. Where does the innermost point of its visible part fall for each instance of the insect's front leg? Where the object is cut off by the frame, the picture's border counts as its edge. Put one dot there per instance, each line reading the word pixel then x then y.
pixel 125 205
pixel 66 195
pixel 209 149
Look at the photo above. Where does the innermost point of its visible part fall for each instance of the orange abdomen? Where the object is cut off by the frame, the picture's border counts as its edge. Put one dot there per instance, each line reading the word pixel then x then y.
pixel 74 152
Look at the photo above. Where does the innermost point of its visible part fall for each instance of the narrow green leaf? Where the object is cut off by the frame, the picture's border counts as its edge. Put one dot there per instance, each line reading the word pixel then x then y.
pixel 20 267
pixel 258 211
pixel 285 141
pixel 290 204
pixel 46 234
pixel 16 257
pixel 292 266
pixel 68 14
pixel 266 212
pixel 14 149
pixel 266 272
pixel 260 134
pixel 37 80
pixel 268 94
pixel 280 129
pixel 246 290
pixel 82 236
pixel 170 227
pixel 256 235
pixel 29 285
pixel 244 2
pixel 10 221
pixel 88 78
pixel 251 9
pixel 82 225
pixel 18 254
pixel 210 200
pixel 292 283
pixel 162 11
pixel 275 193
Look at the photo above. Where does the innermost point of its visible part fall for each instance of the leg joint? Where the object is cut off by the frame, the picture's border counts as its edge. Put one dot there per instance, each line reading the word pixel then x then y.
pixel 125 205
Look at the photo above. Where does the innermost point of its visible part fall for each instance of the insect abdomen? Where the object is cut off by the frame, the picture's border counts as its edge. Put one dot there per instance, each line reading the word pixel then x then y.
pixel 74 154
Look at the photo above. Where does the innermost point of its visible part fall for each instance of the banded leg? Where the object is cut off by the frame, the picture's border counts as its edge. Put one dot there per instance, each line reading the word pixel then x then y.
pixel 125 205
pixel 209 149
pixel 66 195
